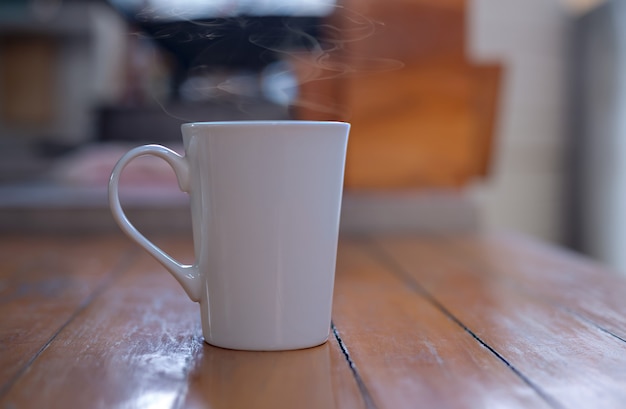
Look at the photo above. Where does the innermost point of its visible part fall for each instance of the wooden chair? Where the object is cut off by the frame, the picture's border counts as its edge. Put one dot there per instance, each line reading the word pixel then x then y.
pixel 422 114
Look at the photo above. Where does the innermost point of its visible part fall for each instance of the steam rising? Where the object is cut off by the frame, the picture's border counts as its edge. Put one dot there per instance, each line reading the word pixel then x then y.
pixel 291 53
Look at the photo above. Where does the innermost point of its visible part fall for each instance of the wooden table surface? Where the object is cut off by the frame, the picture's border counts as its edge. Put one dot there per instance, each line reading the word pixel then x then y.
pixel 484 321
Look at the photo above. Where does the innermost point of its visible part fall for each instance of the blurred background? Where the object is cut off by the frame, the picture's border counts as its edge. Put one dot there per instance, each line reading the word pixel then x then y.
pixel 467 114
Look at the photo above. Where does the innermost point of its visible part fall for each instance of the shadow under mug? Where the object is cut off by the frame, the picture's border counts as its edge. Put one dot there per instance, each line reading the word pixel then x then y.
pixel 223 378
pixel 265 202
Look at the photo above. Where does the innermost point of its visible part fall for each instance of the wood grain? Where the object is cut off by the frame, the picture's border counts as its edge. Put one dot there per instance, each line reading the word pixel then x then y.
pixel 44 281
pixel 434 321
pixel 139 344
pixel 410 353
pixel 130 347
pixel 568 280
pixel 569 360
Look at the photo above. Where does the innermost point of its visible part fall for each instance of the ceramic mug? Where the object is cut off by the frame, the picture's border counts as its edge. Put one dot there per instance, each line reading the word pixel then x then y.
pixel 265 201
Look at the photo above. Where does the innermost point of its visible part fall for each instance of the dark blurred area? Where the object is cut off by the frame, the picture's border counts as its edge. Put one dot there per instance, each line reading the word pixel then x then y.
pixel 81 71
pixel 83 81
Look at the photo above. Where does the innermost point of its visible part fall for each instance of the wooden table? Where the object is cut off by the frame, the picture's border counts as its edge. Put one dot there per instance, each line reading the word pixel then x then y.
pixel 479 321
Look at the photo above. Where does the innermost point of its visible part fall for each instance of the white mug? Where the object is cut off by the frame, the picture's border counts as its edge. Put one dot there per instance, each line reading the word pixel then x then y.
pixel 265 202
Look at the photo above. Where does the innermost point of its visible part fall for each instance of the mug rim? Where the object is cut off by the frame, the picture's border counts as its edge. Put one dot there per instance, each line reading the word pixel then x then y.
pixel 278 122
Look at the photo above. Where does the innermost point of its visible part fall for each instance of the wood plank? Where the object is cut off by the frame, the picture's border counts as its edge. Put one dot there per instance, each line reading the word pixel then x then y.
pixel 312 378
pixel 139 344
pixel 131 346
pixel 408 352
pixel 570 281
pixel 43 282
pixel 572 362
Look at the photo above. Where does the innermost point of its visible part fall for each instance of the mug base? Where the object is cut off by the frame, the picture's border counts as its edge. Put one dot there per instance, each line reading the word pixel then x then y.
pixel 266 348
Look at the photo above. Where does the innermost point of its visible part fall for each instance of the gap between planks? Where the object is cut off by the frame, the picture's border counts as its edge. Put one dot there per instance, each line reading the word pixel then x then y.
pixel 470 262
pixel 387 260
pixel 365 394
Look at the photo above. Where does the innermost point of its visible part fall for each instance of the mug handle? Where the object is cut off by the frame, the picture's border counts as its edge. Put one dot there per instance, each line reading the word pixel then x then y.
pixel 187 275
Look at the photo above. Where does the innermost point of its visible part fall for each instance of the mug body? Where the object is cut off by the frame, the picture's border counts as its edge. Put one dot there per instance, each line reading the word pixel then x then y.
pixel 265 203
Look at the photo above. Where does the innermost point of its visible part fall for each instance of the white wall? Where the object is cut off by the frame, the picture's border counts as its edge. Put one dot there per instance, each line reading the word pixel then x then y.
pixel 525 190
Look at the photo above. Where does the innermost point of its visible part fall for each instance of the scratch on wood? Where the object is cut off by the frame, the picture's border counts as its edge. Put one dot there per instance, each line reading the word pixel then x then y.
pixel 434 352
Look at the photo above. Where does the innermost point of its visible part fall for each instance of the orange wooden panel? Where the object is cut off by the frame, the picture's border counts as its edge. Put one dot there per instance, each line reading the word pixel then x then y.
pixel 407 351
pixel 415 127
pixel 405 30
pixel 568 359
pixel 422 115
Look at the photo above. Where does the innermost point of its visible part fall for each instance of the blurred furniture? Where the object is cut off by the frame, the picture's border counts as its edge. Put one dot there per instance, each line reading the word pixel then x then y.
pixel 51 70
pixel 422 119
pixel 28 79
pixel 422 114
pixel 439 322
